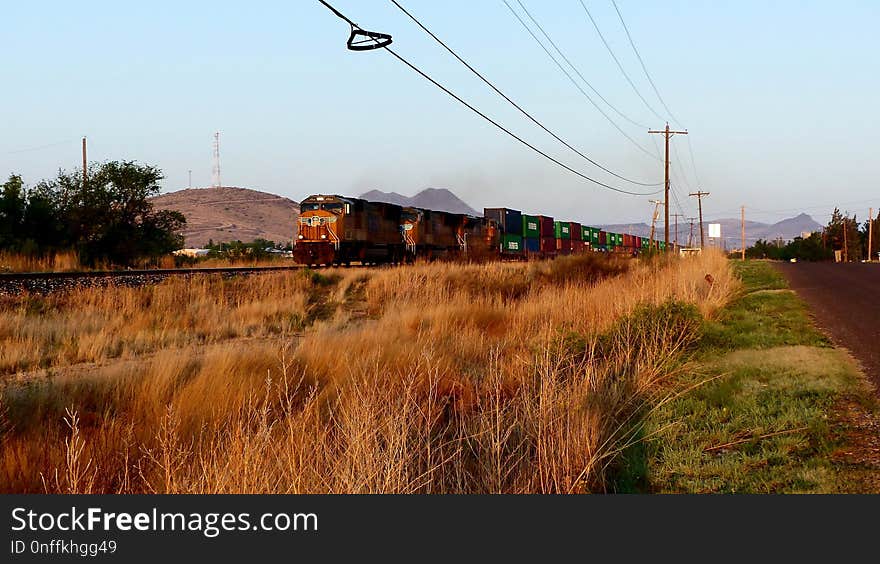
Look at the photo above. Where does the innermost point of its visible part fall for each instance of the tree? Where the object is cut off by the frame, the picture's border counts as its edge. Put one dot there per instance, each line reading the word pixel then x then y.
pixel 12 209
pixel 106 218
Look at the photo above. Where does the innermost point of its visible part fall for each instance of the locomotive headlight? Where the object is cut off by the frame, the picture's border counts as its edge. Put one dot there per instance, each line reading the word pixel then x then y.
pixel 323 236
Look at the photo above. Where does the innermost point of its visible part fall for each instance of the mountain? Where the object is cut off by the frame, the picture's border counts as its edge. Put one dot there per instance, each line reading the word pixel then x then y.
pixel 229 214
pixel 439 199
pixel 730 229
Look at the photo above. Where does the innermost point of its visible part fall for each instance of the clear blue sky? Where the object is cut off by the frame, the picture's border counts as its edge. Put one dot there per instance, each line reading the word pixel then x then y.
pixel 779 98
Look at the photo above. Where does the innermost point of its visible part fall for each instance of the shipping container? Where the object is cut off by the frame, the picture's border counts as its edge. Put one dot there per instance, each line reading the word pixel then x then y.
pixel 628 241
pixel 511 244
pixel 603 239
pixel 574 230
pixel 509 221
pixel 531 227
pixel 547 227
pixel 563 246
pixel 532 245
pixel 611 239
pixel 578 247
pixel 548 246
pixel 562 230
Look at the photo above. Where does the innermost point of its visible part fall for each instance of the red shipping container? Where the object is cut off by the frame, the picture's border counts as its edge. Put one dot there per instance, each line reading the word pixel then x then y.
pixel 563 246
pixel 603 238
pixel 545 225
pixel 628 240
pixel 578 247
pixel 548 245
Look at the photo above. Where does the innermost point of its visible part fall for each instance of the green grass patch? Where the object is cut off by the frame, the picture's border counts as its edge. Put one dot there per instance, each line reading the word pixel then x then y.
pixel 758 417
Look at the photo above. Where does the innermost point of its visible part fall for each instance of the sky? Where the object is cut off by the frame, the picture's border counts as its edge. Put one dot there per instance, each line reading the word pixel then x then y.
pixel 778 98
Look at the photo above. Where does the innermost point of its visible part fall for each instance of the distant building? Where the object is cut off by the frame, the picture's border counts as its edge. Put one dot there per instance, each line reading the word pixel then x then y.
pixel 195 253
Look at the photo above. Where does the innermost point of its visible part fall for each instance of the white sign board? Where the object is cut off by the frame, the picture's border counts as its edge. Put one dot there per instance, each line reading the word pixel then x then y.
pixel 714 230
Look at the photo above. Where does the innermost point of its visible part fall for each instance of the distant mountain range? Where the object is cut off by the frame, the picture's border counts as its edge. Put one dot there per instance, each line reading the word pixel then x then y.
pixel 439 199
pixel 730 229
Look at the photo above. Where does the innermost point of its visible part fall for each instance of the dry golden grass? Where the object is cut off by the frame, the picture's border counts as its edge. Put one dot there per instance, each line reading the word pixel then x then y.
pixel 435 378
pixel 58 262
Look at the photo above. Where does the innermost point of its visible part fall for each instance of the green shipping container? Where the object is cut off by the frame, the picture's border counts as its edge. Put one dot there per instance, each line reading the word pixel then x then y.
pixel 562 229
pixel 611 239
pixel 530 227
pixel 594 236
pixel 511 243
pixel 646 243
pixel 585 233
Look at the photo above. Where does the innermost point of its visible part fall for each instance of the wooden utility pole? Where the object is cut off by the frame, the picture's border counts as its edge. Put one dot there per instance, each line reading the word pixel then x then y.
pixel 870 231
pixel 845 229
pixel 84 161
pixel 657 204
pixel 667 133
pixel 691 236
pixel 699 194
pixel 676 216
pixel 742 222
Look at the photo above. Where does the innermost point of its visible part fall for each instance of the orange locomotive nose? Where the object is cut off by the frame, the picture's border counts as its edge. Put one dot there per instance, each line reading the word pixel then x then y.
pixel 317 226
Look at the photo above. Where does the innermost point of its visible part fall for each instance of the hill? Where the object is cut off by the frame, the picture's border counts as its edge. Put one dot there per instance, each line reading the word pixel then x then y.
pixel 730 229
pixel 439 199
pixel 229 213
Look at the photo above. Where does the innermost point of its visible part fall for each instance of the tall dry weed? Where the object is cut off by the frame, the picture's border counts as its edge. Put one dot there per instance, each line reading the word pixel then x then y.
pixel 457 379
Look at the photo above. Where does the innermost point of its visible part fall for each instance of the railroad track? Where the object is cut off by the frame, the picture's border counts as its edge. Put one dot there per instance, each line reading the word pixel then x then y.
pixel 45 282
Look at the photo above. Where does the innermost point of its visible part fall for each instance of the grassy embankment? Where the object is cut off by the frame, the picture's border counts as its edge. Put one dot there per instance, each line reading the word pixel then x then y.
pixel 776 413
pixel 434 378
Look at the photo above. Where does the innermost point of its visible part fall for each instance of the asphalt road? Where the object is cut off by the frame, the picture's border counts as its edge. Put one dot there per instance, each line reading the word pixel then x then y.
pixel 845 299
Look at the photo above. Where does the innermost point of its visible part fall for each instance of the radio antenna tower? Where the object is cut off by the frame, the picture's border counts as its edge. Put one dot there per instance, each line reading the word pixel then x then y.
pixel 215 172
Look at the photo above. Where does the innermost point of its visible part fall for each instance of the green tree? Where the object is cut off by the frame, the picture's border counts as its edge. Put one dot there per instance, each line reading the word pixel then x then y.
pixel 107 217
pixel 13 203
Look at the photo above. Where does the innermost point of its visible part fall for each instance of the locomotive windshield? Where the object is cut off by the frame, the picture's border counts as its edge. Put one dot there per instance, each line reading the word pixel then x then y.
pixel 334 207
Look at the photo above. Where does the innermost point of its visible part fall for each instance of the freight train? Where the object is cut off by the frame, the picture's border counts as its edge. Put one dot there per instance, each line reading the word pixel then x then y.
pixel 340 230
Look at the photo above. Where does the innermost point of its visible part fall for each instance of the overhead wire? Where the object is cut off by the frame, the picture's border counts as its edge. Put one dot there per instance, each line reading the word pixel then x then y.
pixel 575 83
pixel 617 61
pixel 514 104
pixel 486 117
pixel 642 62
pixel 40 147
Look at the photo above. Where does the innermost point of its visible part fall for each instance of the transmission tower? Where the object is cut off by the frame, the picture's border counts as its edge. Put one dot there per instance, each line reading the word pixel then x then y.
pixel 215 172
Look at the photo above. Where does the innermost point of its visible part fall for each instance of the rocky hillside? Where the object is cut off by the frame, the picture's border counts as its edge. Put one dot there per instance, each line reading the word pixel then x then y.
pixel 228 214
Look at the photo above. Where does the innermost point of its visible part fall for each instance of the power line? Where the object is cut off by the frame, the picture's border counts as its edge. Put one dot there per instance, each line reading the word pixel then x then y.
pixel 578 86
pixel 40 147
pixel 642 62
pixel 693 161
pixel 514 104
pixel 485 117
pixel 619 66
